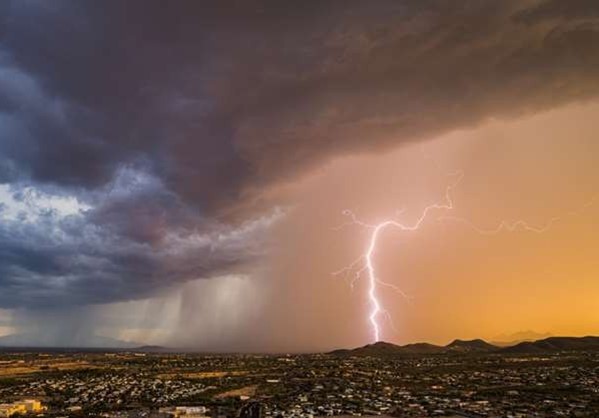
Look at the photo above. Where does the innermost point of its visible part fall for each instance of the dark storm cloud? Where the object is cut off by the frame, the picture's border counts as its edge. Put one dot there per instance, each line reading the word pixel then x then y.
pixel 137 239
pixel 216 100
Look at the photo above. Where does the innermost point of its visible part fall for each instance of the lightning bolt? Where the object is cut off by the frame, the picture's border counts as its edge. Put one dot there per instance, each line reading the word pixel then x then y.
pixel 365 263
pixel 367 258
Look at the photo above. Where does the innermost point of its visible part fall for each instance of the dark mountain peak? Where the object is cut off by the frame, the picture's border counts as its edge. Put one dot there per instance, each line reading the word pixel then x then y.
pixel 382 345
pixel 379 348
pixel 421 348
pixel 470 345
pixel 457 341
pixel 385 349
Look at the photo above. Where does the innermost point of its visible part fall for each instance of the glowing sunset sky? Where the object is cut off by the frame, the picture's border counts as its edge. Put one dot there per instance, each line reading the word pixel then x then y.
pixel 177 173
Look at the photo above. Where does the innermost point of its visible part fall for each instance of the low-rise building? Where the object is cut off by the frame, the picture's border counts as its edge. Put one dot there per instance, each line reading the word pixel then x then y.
pixel 28 406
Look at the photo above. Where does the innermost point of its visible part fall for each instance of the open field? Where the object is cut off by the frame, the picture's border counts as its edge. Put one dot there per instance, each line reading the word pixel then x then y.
pixel 202 375
pixel 235 393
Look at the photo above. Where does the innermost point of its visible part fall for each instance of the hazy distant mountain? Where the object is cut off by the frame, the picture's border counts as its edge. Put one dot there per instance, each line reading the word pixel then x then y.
pixel 506 340
pixel 94 341
pixel 470 346
pixel 553 344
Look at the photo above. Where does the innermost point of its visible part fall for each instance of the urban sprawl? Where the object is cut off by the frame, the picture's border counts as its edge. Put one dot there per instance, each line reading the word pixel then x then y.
pixel 119 384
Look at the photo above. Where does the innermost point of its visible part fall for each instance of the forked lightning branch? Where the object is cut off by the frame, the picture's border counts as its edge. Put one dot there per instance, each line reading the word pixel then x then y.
pixel 365 262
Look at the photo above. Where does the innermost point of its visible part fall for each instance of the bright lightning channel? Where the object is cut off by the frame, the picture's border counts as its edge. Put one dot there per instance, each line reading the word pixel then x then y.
pixel 368 266
pixel 366 259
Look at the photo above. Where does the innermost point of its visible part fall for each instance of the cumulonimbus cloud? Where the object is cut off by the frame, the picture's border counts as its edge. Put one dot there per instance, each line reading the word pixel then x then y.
pixel 217 100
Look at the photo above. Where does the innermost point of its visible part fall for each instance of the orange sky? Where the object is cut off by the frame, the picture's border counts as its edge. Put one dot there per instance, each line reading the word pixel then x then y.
pixel 462 284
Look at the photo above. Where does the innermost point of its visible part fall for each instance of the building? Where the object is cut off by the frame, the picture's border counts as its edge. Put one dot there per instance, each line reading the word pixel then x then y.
pixel 186 411
pixel 28 406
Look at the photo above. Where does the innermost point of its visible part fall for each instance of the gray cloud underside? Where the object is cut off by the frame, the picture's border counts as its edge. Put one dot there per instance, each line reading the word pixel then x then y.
pixel 217 100
pixel 138 240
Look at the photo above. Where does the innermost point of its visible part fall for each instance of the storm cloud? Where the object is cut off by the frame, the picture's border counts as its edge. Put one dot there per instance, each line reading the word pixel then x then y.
pixel 136 240
pixel 165 122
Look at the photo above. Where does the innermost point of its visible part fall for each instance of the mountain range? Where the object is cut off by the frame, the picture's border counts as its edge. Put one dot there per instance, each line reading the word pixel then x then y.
pixel 378 349
pixel 547 345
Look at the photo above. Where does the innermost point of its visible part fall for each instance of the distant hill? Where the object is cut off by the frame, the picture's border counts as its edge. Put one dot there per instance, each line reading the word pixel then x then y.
pixel 384 349
pixel 551 344
pixel 421 348
pixel 378 349
pixel 554 344
pixel 470 346
pixel 507 340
